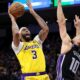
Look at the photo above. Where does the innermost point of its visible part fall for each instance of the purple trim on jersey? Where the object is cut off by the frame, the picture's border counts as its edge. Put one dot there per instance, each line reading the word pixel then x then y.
pixel 32 74
pixel 59 67
pixel 22 77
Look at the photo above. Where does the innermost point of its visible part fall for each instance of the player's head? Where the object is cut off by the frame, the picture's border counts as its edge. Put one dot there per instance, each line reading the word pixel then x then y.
pixel 76 40
pixel 25 34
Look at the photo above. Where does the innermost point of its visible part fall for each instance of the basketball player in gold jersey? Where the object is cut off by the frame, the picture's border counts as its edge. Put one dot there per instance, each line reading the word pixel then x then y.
pixel 29 52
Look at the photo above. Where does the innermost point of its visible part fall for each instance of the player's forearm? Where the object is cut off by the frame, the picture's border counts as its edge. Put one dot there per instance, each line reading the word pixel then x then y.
pixel 61 21
pixel 40 21
pixel 60 14
pixel 15 28
pixel 64 35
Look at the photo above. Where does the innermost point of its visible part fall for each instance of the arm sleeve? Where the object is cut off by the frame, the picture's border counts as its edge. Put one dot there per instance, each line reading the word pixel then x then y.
pixel 17 49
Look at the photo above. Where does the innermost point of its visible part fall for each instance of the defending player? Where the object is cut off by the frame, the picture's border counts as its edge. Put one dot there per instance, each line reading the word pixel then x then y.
pixel 69 60
pixel 29 52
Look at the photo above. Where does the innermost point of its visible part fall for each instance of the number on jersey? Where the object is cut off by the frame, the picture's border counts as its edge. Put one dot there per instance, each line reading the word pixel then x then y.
pixel 34 54
pixel 74 65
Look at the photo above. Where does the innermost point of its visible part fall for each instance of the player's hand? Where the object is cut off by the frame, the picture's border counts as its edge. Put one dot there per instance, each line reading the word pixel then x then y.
pixel 30 5
pixel 59 1
pixel 77 22
pixel 11 16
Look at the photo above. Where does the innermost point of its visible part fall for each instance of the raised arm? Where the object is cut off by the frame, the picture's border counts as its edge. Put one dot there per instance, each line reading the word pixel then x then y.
pixel 66 41
pixel 15 31
pixel 76 39
pixel 44 28
pixel 62 23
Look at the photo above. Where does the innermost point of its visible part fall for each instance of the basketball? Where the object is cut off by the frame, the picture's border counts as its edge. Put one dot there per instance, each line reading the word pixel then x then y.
pixel 16 9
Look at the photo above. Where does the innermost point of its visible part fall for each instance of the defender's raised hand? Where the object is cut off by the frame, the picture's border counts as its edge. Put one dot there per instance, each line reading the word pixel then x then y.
pixel 59 1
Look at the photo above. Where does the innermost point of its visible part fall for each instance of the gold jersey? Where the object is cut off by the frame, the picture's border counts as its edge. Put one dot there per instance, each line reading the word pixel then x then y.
pixel 31 57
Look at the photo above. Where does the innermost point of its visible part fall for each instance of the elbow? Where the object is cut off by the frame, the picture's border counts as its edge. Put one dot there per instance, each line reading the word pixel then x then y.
pixel 47 29
pixel 16 34
pixel 61 21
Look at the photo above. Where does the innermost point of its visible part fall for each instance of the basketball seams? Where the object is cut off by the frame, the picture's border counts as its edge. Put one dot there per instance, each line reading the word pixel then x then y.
pixel 17 9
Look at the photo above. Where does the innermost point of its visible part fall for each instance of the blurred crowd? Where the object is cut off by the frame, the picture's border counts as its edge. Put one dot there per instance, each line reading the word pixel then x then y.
pixel 10 67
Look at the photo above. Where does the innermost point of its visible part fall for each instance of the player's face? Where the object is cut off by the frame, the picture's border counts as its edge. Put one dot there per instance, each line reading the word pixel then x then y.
pixel 25 34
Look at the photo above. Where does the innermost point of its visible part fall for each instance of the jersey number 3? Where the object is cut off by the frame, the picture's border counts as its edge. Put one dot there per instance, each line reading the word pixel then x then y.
pixel 74 65
pixel 34 54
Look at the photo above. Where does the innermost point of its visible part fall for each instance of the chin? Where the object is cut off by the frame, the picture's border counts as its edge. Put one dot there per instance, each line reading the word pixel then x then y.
pixel 27 39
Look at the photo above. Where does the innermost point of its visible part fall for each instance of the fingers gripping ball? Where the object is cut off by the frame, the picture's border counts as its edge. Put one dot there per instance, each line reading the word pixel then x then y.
pixel 16 9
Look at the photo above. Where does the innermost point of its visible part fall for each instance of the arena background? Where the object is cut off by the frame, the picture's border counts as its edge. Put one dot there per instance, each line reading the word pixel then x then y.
pixel 9 65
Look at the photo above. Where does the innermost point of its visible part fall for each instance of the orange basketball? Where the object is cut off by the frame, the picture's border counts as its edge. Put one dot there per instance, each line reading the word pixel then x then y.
pixel 16 9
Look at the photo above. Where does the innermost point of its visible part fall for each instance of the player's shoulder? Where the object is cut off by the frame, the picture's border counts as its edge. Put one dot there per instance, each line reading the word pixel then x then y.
pixel 17 49
pixel 37 39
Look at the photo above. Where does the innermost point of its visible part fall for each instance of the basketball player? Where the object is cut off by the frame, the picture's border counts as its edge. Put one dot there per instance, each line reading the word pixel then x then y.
pixel 69 60
pixel 29 52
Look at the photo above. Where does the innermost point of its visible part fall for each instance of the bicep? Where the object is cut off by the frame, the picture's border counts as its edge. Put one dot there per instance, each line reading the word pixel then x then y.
pixel 63 33
pixel 43 34
pixel 15 33
pixel 66 40
pixel 16 39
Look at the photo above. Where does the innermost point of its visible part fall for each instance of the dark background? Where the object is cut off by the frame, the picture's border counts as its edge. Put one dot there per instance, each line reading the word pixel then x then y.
pixel 51 45
pixel 48 14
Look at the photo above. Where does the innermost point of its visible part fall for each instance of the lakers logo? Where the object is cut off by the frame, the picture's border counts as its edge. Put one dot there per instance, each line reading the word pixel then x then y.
pixel 31 47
